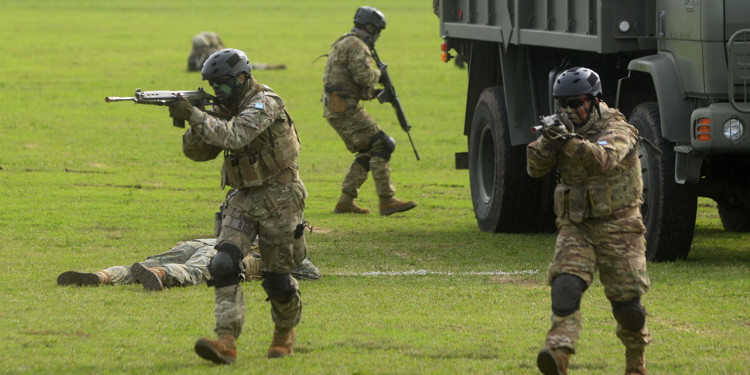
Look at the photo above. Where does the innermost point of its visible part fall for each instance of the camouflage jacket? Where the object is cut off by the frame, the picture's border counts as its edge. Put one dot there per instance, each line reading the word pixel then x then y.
pixel 258 136
pixel 599 173
pixel 349 70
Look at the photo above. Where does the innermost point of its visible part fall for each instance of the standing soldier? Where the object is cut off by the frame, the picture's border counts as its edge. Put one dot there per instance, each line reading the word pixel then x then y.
pixel 348 78
pixel 252 127
pixel 597 203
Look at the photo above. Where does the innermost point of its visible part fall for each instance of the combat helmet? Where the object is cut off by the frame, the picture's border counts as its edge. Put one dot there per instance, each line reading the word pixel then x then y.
pixel 226 62
pixel 369 15
pixel 577 81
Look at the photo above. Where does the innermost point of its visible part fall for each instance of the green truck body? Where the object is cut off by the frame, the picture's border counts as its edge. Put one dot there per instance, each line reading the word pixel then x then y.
pixel 679 69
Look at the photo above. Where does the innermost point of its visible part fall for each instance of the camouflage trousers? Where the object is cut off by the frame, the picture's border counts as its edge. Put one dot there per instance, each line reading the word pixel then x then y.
pixel 616 248
pixel 271 214
pixel 185 264
pixel 357 129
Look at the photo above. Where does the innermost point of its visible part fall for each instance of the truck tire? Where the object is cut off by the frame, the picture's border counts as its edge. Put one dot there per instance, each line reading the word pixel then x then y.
pixel 669 208
pixel 734 219
pixel 505 198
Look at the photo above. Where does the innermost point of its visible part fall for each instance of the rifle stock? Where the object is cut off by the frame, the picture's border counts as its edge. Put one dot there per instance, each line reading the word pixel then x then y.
pixel 389 95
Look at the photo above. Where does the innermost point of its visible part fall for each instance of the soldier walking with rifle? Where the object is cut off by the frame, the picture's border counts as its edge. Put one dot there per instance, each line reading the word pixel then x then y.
pixel 250 125
pixel 594 152
pixel 348 78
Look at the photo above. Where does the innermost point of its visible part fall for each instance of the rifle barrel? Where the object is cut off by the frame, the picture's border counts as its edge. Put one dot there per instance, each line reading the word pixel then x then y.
pixel 118 99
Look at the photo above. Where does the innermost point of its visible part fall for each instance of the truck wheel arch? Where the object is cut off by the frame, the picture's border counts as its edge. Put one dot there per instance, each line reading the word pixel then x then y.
pixel 674 110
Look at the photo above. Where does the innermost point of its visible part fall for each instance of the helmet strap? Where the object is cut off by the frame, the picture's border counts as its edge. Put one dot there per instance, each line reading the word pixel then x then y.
pixel 596 104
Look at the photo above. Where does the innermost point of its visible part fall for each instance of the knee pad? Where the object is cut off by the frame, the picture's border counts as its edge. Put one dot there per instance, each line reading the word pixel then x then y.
pixel 382 145
pixel 567 290
pixel 364 161
pixel 225 265
pixel 278 286
pixel 630 314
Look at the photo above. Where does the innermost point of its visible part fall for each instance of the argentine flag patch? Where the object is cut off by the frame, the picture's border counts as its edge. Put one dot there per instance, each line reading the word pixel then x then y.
pixel 602 142
pixel 258 105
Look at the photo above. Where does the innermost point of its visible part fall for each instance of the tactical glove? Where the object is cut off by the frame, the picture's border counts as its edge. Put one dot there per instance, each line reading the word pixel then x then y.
pixel 553 129
pixel 180 109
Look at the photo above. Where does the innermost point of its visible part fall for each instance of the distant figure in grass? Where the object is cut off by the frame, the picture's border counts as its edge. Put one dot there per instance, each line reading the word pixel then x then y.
pixel 183 265
pixel 250 126
pixel 348 78
pixel 206 43
pixel 597 200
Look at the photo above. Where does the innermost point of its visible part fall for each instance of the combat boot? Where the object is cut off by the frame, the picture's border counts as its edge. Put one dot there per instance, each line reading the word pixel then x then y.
pixel 635 362
pixel 553 361
pixel 222 351
pixel 306 270
pixel 152 278
pixel 346 205
pixel 391 205
pixel 253 267
pixel 283 341
pixel 83 278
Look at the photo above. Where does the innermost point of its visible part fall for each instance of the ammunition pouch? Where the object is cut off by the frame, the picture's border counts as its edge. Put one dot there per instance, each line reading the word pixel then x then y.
pixel 335 98
pixel 279 148
pixel 243 172
pixel 217 221
pixel 595 200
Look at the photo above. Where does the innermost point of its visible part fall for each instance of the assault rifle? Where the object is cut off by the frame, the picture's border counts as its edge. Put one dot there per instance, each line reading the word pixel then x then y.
pixel 545 122
pixel 198 98
pixel 389 95
pixel 548 123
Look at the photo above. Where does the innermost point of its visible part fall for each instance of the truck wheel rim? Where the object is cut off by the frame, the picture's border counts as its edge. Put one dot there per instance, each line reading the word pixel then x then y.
pixel 486 164
pixel 645 156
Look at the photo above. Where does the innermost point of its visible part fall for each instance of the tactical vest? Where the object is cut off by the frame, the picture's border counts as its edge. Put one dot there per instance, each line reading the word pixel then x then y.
pixel 337 79
pixel 270 157
pixel 581 195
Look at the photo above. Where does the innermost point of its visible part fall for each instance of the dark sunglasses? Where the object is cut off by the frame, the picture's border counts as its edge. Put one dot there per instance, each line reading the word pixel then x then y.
pixel 223 80
pixel 571 102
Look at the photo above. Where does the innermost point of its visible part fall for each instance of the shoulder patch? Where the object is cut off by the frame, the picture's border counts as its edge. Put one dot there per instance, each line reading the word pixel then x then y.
pixel 258 105
pixel 603 142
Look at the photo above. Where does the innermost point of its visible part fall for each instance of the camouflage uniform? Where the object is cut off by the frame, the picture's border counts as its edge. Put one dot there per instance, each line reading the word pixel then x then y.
pixel 349 78
pixel 185 264
pixel 597 203
pixel 261 147
pixel 204 44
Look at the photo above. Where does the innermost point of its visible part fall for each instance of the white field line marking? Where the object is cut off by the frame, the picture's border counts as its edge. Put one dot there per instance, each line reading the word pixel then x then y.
pixel 425 272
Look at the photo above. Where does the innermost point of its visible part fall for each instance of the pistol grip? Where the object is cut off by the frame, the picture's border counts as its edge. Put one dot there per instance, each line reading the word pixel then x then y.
pixel 384 97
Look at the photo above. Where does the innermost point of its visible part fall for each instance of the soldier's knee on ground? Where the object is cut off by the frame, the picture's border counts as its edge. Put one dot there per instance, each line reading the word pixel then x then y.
pixel 630 314
pixel 279 287
pixel 567 291
pixel 225 265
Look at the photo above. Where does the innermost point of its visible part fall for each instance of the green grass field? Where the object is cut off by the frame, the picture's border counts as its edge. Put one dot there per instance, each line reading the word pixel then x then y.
pixel 86 185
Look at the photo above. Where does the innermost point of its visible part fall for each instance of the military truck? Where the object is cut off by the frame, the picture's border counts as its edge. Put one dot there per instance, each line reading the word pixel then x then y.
pixel 678 69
